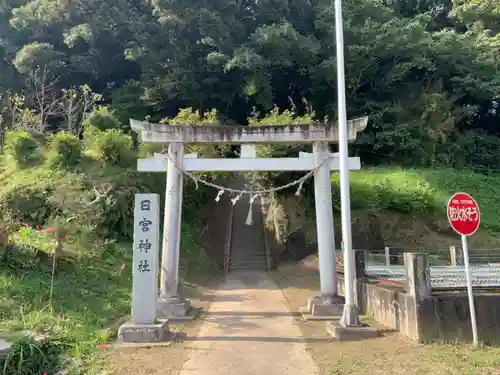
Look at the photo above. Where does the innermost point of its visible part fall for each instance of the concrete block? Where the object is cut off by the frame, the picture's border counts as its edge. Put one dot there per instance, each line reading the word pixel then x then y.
pixel 308 317
pixel 341 333
pixel 143 333
pixel 174 308
pixel 190 315
pixel 418 279
pixel 325 306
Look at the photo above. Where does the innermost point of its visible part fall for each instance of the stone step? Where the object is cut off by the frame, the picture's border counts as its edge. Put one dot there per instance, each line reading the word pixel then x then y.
pixel 248 264
pixel 241 255
pixel 255 241
pixel 242 240
pixel 254 250
pixel 253 268
pixel 246 255
pixel 253 260
pixel 235 258
pixel 247 269
pixel 247 246
pixel 245 250
pixel 245 264
pixel 247 260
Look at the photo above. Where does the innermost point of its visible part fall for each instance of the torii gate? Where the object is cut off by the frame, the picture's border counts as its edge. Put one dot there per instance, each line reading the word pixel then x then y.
pixel 170 304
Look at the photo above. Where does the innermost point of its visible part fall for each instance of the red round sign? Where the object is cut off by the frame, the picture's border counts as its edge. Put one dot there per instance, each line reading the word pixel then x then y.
pixel 463 214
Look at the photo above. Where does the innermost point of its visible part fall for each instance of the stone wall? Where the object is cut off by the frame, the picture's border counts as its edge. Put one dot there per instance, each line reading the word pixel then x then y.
pixel 417 313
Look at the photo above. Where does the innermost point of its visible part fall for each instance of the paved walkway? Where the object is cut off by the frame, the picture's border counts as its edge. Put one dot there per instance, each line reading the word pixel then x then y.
pixel 249 330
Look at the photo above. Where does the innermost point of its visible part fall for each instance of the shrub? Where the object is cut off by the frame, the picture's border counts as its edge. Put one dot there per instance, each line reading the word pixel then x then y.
pixel 27 120
pixel 113 216
pixel 475 150
pixel 188 116
pixel 27 205
pixel 113 147
pixel 22 148
pixel 64 150
pixel 103 119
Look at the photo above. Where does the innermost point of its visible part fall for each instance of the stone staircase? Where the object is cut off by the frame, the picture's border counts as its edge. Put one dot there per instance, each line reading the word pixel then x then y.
pixel 247 249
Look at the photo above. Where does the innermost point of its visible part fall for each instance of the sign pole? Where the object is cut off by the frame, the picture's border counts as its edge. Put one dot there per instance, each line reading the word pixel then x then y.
pixel 468 276
pixel 464 217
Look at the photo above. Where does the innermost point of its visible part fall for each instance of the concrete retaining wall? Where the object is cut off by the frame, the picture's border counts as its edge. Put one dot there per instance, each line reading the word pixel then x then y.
pixel 391 307
pixel 447 318
pixel 433 318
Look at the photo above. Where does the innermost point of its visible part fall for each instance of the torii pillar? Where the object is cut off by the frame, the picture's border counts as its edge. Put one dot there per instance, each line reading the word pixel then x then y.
pixel 171 304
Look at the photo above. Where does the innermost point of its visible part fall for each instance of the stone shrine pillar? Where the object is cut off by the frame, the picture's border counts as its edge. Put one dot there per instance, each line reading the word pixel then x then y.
pixel 144 325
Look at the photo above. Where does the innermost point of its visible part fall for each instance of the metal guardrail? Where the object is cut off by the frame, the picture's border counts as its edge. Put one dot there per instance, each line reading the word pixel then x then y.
pixel 266 239
pixel 229 235
pixel 443 277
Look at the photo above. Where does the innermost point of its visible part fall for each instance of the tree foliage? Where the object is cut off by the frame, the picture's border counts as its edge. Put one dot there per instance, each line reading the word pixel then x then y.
pixel 422 70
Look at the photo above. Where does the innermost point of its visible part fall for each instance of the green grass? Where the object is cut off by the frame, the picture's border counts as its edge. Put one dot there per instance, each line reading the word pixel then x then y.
pixel 90 294
pixel 421 191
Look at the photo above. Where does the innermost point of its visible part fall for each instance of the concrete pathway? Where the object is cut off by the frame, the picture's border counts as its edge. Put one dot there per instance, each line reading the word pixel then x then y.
pixel 249 330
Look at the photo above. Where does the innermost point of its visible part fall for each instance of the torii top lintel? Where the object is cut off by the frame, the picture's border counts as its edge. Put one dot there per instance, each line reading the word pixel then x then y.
pixel 303 133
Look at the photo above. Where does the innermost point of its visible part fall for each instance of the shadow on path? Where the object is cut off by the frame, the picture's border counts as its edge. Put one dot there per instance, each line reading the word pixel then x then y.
pixel 264 314
pixel 224 298
pixel 182 337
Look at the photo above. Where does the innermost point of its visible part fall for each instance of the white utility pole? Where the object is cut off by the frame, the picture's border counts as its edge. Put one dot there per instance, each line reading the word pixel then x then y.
pixel 350 316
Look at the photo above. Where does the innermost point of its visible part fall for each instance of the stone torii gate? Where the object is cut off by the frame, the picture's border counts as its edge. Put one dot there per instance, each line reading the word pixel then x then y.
pixel 170 304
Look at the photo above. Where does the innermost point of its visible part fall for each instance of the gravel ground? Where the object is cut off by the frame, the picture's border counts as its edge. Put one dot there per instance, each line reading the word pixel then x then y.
pixel 390 354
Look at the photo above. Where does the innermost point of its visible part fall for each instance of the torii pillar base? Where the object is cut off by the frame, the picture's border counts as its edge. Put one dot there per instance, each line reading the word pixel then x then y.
pixel 342 333
pixel 131 332
pixel 176 308
pixel 323 308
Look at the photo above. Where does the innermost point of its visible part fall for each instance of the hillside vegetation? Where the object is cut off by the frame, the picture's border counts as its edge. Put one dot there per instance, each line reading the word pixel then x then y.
pixel 82 193
pixel 404 208
pixel 410 205
pixel 422 192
